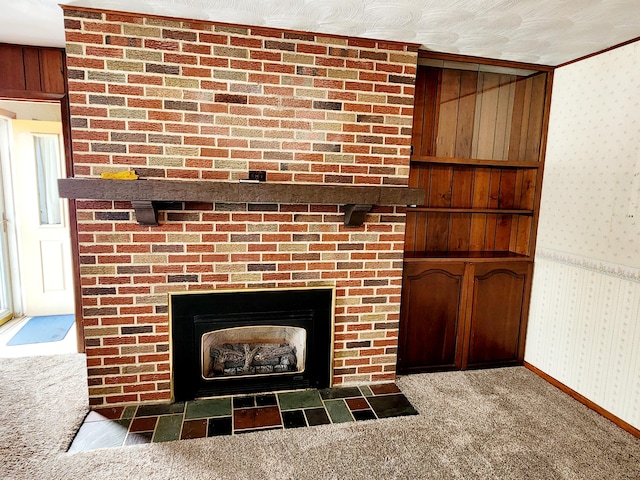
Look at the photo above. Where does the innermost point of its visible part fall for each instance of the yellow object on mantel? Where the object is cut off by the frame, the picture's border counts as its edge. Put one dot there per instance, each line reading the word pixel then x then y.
pixel 124 175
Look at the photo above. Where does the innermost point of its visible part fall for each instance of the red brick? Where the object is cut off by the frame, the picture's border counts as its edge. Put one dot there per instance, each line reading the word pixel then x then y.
pixel 146 103
pixel 77 111
pixel 153 358
pixel 86 87
pixel 154 377
pixel 264 78
pixel 118 340
pixel 101 352
pixel 167 45
pixel 104 52
pixel 357 361
pixel 121 399
pixel 213 38
pixel 279 68
pixel 369 369
pixel 120 379
pixel 311 48
pixel 86 38
pixel 145 79
pixel 139 387
pixel 276 257
pixel 196 72
pixel 156 396
pixel 115 360
pixel 383 377
pixel 124 18
pixel 284 148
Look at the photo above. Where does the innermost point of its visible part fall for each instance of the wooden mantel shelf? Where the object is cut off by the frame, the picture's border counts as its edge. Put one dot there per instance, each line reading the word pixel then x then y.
pixel 143 193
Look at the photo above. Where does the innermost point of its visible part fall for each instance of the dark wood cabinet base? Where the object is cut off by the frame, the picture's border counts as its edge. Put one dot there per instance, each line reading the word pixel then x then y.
pixel 463 315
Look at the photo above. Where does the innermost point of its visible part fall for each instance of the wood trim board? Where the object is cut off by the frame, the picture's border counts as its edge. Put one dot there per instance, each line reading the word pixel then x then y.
pixel 604 50
pixel 262 192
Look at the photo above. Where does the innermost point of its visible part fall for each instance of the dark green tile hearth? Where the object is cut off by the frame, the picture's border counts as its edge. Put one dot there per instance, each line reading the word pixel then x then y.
pixel 366 391
pixel 301 399
pixel 338 411
pixel 267 400
pixel 343 392
pixel 395 405
pixel 364 415
pixel 384 388
pixel 244 402
pixel 135 425
pixel 168 428
pixel 162 409
pixel 220 426
pixel 129 411
pixel 213 407
pixel 317 416
pixel 293 419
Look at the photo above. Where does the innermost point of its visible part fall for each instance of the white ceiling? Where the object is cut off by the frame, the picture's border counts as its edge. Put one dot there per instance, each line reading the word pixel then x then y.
pixel 548 32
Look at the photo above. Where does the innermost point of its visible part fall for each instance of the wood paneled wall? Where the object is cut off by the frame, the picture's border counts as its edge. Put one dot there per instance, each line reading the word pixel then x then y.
pixel 32 72
pixel 477 139
pixel 468 232
pixel 510 190
pixel 480 115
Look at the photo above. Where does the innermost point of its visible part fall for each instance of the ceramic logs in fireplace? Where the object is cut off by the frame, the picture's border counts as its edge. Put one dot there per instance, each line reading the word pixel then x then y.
pixel 247 341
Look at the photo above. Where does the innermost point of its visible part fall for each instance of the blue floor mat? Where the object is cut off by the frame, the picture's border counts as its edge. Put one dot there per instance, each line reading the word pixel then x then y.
pixel 49 328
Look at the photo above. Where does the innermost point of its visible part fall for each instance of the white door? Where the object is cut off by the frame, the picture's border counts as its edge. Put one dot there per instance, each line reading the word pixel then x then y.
pixel 43 229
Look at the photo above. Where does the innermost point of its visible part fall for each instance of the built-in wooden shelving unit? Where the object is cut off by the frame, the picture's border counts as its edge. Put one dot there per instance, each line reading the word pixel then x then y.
pixel 478 143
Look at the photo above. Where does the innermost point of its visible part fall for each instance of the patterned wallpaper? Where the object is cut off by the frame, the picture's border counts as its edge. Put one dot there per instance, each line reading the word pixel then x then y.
pixel 584 330
pixel 584 321
pixel 591 192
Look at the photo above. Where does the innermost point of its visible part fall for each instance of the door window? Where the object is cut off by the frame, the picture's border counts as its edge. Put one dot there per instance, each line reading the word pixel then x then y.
pixel 47 151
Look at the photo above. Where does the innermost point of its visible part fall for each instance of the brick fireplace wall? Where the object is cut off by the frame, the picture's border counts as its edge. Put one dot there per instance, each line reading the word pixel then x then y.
pixel 191 100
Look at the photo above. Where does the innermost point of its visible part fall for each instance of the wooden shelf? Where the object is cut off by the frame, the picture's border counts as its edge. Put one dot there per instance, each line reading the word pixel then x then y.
pixel 143 193
pixel 489 256
pixel 498 211
pixel 473 162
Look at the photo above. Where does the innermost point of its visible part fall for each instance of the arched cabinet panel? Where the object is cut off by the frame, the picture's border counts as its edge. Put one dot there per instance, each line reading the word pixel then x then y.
pixel 497 315
pixel 431 318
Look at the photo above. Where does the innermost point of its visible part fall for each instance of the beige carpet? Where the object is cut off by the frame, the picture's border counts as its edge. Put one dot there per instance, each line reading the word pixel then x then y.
pixel 489 424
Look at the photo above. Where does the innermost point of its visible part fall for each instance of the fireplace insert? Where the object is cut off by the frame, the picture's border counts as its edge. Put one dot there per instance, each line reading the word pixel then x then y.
pixel 247 341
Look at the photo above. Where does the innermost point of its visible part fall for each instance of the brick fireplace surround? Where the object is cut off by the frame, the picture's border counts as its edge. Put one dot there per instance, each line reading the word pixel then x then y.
pixel 191 100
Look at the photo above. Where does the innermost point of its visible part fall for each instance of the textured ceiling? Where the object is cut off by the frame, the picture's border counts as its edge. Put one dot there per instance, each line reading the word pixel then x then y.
pixel 546 32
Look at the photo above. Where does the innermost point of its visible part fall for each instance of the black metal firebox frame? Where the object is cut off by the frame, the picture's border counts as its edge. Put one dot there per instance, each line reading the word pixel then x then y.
pixel 193 314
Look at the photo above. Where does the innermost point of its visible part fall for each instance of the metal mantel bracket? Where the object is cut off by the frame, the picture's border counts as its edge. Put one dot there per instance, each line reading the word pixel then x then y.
pixel 146 212
pixel 354 215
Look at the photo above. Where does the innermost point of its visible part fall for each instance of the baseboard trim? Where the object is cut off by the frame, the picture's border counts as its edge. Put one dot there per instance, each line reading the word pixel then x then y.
pixel 584 400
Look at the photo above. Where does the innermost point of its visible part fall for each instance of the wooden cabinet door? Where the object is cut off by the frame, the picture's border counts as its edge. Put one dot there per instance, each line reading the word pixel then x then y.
pixel 497 324
pixel 431 317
